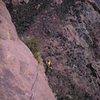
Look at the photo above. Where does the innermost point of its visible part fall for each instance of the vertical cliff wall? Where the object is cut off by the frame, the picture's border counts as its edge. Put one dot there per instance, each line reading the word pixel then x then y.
pixel 21 77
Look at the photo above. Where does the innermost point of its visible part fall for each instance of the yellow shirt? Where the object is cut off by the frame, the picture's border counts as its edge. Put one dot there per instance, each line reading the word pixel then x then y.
pixel 49 63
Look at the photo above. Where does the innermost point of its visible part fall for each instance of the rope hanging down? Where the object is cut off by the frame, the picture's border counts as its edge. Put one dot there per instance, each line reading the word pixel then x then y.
pixel 34 85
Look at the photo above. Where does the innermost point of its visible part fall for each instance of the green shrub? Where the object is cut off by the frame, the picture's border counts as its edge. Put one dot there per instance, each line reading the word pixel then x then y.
pixel 34 45
pixel 38 57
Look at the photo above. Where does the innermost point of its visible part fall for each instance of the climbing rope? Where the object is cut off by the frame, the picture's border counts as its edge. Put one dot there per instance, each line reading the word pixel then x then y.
pixel 32 96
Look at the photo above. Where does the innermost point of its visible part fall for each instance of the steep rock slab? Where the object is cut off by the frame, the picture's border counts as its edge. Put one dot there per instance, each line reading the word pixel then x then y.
pixel 21 77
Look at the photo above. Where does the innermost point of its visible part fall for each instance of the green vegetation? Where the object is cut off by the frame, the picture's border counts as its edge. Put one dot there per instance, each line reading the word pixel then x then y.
pixel 34 45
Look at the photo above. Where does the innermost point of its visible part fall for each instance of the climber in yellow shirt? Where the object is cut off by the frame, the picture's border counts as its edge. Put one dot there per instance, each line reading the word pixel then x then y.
pixel 48 65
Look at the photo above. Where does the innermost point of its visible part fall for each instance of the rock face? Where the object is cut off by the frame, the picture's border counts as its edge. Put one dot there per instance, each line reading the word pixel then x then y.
pixel 21 77
pixel 16 2
pixel 98 2
pixel 69 32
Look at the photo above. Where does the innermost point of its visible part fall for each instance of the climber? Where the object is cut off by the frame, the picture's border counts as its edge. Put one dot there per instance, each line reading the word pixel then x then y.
pixel 48 65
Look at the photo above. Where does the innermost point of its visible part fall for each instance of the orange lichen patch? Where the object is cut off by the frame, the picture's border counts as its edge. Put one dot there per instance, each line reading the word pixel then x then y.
pixel 8 35
pixel 26 73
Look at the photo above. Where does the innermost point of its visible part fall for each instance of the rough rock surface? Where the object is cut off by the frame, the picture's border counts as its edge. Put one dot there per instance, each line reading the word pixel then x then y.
pixel 69 33
pixel 21 77
pixel 16 2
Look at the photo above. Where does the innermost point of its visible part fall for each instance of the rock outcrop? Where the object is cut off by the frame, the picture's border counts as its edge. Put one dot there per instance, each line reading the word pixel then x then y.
pixel 69 33
pixel 16 2
pixel 21 77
